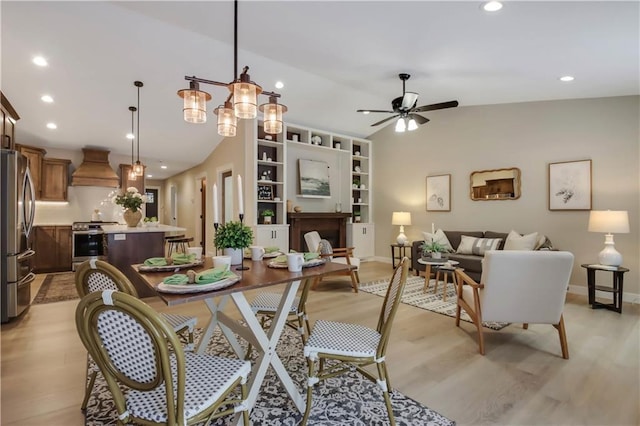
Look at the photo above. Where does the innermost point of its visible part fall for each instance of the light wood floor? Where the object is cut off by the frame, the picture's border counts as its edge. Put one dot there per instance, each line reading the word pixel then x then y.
pixel 522 380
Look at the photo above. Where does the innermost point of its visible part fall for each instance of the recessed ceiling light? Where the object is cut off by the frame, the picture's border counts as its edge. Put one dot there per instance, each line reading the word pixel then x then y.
pixel 366 112
pixel 46 98
pixel 130 136
pixel 163 167
pixel 149 176
pixel 567 78
pixel 279 85
pixel 52 126
pixel 40 61
pixel 492 6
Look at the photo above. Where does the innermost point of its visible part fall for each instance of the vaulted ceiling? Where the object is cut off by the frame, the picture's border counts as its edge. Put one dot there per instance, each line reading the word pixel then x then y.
pixel 333 57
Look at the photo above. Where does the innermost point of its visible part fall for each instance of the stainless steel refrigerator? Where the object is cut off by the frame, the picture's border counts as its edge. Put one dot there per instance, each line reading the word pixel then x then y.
pixel 16 220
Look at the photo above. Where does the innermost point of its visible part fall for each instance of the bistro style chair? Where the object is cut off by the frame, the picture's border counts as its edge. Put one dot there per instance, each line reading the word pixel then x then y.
pixel 526 287
pixel 136 348
pixel 96 275
pixel 265 306
pixel 355 346
pixel 315 243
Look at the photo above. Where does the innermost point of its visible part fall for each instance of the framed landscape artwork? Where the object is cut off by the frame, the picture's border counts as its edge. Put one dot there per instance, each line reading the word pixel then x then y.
pixel 570 185
pixel 439 193
pixel 314 179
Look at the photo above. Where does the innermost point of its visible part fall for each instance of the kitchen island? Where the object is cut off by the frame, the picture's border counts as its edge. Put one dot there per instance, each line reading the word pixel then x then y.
pixel 127 246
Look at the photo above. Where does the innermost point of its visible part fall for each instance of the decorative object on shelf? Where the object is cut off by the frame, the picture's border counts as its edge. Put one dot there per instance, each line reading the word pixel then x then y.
pixel 233 237
pixel 243 97
pixel 297 209
pixel 357 153
pixel 363 186
pixel 438 193
pixel 402 219
pixel 266 175
pixel 316 140
pixel 295 137
pixel 357 218
pixel 289 206
pixel 570 185
pixel 314 179
pixel 266 216
pixel 609 222
pixel 265 192
pixel 338 207
pixel 268 137
pixel 138 167
pixel 264 155
pixel 356 169
pixel 337 145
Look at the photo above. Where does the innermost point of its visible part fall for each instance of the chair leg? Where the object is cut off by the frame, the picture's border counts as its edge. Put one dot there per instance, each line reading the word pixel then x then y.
pixel 307 411
pixel 245 413
pixel 382 370
pixel 563 338
pixel 354 283
pixel 89 388
pixel 458 308
pixel 478 320
pixel 525 326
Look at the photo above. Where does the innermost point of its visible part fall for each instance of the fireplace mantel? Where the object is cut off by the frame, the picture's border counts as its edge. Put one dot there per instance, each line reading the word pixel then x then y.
pixel 330 226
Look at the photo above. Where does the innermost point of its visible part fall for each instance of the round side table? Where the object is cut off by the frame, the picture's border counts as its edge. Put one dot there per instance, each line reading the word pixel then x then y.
pixel 447 267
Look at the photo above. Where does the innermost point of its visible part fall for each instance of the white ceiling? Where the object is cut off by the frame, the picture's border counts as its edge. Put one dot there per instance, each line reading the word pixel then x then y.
pixel 334 57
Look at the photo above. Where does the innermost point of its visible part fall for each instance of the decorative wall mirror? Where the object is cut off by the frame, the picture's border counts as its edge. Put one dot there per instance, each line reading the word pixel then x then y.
pixel 499 184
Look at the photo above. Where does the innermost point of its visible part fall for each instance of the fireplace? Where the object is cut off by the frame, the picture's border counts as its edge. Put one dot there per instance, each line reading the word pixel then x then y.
pixel 330 226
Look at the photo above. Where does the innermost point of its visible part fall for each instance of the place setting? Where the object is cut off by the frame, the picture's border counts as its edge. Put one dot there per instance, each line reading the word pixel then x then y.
pixel 175 262
pixel 216 278
pixel 296 261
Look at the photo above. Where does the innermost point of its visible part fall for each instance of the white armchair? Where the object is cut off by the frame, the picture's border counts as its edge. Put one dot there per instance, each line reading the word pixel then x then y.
pixel 518 286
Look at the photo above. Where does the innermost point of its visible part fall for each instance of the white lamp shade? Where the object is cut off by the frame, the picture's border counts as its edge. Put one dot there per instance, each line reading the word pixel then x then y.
pixel 401 218
pixel 609 221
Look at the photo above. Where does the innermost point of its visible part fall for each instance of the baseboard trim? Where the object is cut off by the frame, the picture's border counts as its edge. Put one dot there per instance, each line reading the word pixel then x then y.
pixel 626 296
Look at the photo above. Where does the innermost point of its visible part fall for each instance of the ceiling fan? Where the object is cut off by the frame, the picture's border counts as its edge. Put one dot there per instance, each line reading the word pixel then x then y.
pixel 405 108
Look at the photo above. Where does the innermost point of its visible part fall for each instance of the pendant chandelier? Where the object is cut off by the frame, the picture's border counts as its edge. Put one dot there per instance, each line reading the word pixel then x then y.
pixel 240 103
pixel 132 172
pixel 138 167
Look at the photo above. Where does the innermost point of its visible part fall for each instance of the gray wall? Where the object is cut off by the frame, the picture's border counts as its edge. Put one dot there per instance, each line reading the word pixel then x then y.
pixel 528 136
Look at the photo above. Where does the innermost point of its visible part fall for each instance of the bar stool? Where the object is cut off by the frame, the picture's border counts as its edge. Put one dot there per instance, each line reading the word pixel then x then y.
pixel 179 244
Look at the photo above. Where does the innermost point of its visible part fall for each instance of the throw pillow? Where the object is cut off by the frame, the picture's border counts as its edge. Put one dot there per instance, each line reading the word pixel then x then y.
pixel 325 247
pixel 543 243
pixel 515 241
pixel 438 237
pixel 477 246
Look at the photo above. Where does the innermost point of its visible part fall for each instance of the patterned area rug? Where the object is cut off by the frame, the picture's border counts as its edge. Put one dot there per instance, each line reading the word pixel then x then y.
pixel 344 400
pixel 57 288
pixel 415 295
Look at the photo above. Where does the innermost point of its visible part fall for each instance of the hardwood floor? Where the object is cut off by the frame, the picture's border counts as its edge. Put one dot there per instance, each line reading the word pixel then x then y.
pixel 522 380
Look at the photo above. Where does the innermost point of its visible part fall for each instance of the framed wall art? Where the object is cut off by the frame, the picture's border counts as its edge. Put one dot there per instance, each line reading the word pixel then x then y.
pixel 439 193
pixel 314 179
pixel 570 185
pixel 265 192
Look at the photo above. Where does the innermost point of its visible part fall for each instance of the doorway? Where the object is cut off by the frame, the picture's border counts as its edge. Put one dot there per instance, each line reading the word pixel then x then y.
pixel 227 196
pixel 151 205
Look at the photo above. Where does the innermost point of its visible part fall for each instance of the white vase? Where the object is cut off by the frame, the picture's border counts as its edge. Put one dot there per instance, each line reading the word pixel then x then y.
pixel 236 255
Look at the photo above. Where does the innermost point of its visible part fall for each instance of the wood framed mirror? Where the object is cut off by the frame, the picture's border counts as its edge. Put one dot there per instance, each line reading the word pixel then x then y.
pixel 498 184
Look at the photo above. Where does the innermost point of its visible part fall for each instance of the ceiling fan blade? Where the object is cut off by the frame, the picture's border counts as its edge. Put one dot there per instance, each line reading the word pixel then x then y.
pixel 419 119
pixel 433 107
pixel 409 99
pixel 385 120
pixel 375 110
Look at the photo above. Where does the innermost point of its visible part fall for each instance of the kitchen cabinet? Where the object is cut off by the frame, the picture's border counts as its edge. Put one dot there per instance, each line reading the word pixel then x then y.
pixel 35 156
pixel 9 117
pixel 55 179
pixel 361 236
pixel 273 236
pixel 52 244
pixel 125 182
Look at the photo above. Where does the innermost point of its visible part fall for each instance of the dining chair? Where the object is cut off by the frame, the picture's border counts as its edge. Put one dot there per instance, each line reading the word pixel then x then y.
pixel 97 275
pixel 355 346
pixel 526 287
pixel 265 306
pixel 136 348
pixel 344 255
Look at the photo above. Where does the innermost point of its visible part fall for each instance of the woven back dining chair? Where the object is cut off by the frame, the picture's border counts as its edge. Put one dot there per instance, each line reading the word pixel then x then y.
pixel 136 348
pixel 97 275
pixel 355 346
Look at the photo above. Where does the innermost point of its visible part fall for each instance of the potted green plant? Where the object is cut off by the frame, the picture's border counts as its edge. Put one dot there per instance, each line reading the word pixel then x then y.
pixel 266 216
pixel 433 250
pixel 233 237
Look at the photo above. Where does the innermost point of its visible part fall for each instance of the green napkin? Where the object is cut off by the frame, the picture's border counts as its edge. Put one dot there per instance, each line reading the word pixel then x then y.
pixel 155 261
pixel 281 259
pixel 176 279
pixel 212 275
pixel 311 256
pixel 268 250
pixel 183 259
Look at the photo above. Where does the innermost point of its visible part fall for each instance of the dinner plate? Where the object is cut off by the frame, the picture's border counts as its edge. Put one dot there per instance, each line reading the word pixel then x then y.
pixel 247 255
pixel 307 264
pixel 152 268
pixel 197 288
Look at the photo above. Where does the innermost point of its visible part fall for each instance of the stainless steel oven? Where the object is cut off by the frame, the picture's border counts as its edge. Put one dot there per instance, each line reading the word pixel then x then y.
pixel 88 242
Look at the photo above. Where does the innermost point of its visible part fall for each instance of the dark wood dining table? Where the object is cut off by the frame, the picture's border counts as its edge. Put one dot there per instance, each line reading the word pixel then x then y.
pixel 259 275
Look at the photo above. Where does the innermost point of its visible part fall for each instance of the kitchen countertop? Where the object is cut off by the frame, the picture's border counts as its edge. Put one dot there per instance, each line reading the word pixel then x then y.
pixel 122 229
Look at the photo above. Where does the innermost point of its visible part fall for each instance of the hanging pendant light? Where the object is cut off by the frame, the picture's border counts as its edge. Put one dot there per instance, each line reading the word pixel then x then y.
pixel 195 103
pixel 273 116
pixel 245 96
pixel 227 121
pixel 132 172
pixel 138 167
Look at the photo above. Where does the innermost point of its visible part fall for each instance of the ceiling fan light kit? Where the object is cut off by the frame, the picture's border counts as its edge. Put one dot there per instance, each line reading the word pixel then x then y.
pixel 405 108
pixel 242 101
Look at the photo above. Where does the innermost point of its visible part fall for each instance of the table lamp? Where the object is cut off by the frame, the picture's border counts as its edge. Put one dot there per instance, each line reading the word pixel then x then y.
pixel 609 222
pixel 401 218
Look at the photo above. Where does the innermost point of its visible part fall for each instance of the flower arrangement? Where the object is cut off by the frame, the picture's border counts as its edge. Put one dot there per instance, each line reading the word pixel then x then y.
pixel 130 199
pixel 233 235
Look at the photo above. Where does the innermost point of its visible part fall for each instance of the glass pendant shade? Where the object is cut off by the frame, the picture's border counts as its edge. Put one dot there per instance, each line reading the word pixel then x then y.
pixel 132 173
pixel 273 116
pixel 138 168
pixel 227 121
pixel 194 108
pixel 245 98
pixel 412 125
pixel 400 125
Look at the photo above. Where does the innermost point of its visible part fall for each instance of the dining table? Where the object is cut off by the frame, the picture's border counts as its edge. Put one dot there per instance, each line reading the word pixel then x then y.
pixel 256 275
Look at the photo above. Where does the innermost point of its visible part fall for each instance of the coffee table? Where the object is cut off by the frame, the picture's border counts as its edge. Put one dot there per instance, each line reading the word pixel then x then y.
pixel 447 267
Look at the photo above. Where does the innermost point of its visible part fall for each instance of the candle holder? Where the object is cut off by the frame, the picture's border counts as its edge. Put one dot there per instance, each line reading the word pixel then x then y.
pixel 215 227
pixel 242 267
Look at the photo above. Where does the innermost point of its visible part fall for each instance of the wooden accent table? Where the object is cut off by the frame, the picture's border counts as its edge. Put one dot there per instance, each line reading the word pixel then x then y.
pixel 615 289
